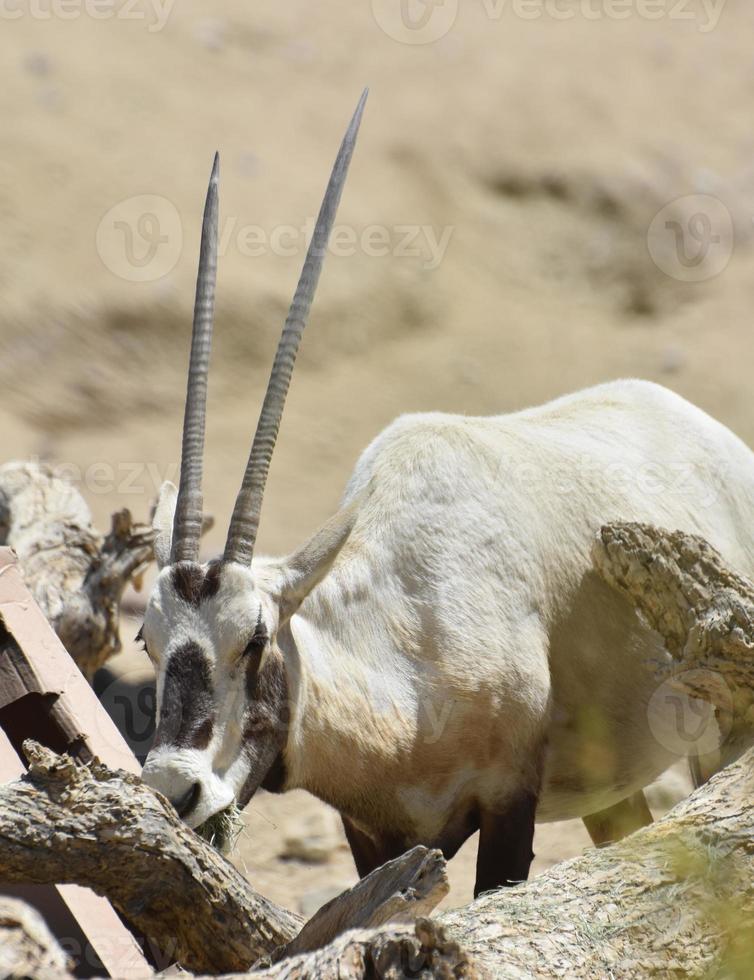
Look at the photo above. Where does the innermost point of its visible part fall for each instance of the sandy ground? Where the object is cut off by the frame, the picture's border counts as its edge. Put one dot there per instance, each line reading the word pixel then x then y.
pixel 559 199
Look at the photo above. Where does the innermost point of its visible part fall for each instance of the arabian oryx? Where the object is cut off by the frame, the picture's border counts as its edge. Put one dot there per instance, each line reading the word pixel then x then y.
pixel 440 657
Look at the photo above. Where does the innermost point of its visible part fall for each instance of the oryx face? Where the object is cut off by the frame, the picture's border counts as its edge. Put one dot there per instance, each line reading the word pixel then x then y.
pixel 211 629
pixel 222 688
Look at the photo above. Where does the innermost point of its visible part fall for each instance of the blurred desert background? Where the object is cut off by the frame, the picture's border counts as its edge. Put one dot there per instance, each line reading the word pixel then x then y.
pixel 558 200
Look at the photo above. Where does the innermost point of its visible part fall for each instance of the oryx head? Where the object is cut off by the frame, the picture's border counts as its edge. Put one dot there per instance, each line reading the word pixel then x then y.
pixel 211 629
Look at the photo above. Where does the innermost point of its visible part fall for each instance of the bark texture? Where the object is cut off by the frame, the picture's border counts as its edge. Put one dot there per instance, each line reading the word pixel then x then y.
pixel 704 612
pixel 677 898
pixel 105 829
pixel 673 900
pixel 27 947
pixel 400 891
pixel 76 575
pixel 421 952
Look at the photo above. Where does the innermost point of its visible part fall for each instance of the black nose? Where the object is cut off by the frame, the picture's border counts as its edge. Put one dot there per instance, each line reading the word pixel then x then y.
pixel 186 803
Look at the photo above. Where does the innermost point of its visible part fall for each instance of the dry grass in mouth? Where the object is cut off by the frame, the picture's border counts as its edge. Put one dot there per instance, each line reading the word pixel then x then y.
pixel 222 828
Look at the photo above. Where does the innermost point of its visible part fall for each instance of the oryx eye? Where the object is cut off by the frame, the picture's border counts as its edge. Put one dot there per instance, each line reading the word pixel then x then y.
pixel 142 642
pixel 258 641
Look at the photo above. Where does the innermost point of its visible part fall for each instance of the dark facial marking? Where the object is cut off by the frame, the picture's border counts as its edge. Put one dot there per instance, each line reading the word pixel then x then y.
pixel 186 709
pixel 193 583
pixel 256 645
pixel 276 778
pixel 265 725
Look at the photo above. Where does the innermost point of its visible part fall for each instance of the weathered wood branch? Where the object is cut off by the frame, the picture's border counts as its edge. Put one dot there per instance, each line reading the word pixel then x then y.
pixel 675 899
pixel 107 830
pixel 27 947
pixel 402 890
pixel 423 952
pixel 178 890
pixel 704 611
pixel 76 575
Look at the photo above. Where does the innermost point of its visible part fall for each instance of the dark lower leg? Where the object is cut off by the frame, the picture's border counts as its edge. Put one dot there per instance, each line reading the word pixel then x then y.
pixel 505 844
pixel 368 852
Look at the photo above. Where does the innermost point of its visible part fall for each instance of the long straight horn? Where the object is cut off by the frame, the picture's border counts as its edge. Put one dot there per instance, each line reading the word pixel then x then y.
pixel 244 523
pixel 187 523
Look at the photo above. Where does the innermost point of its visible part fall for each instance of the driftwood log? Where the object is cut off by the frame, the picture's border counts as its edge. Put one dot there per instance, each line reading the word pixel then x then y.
pixel 27 947
pixel 703 611
pixel 675 899
pixel 93 826
pixel 76 575
pixel 194 906
pixel 400 891
pixel 423 951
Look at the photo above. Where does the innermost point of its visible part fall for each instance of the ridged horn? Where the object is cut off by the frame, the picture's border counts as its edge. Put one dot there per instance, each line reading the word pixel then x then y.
pixel 187 523
pixel 244 523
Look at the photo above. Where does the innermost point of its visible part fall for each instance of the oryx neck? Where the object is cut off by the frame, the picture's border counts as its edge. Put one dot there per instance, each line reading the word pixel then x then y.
pixel 355 706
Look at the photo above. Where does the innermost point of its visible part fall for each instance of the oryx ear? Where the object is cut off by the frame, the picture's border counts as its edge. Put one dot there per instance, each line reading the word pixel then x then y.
pixel 306 568
pixel 162 522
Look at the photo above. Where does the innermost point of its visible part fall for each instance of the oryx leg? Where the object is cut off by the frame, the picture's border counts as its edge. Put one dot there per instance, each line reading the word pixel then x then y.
pixel 505 843
pixel 618 821
pixel 368 852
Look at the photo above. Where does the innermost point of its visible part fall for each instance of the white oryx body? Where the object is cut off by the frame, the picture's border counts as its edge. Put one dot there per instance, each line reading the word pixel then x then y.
pixel 440 657
pixel 463 621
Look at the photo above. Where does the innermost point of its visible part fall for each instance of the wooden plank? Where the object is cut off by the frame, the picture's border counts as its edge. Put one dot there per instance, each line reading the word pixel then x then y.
pixel 45 667
pixel 38 676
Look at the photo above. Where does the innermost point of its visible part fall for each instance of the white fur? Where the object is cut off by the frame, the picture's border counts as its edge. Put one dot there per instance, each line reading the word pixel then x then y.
pixel 463 618
pixel 222 627
pixel 462 623
pixel 162 522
